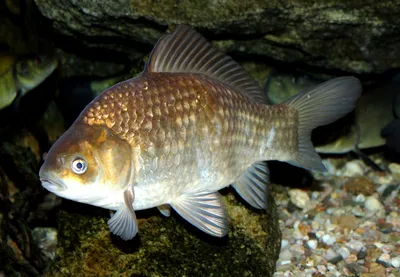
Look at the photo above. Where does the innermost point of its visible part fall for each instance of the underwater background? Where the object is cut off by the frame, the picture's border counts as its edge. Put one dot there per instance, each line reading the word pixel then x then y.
pixel 57 55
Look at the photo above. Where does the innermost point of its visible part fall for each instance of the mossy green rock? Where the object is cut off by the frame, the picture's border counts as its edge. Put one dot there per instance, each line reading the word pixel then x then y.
pixel 170 246
pixel 355 36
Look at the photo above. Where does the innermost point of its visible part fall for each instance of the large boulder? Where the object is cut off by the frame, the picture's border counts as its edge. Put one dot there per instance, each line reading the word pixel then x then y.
pixel 347 35
pixel 168 246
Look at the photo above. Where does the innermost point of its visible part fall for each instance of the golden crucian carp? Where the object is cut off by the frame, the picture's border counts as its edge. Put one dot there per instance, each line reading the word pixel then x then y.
pixel 191 124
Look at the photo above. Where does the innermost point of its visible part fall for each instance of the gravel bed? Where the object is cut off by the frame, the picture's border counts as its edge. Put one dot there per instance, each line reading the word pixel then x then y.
pixel 349 226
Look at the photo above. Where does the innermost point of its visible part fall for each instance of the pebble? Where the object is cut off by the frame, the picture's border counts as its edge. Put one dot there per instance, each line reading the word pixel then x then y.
pixel 328 239
pixel 284 243
pixel 315 225
pixel 355 245
pixel 344 252
pixel 359 198
pixel 394 168
pixel 332 256
pixel 351 259
pixel 346 221
pixel 299 198
pixel 319 234
pixel 372 204
pixel 357 211
pixel 321 268
pixel 46 239
pixel 312 244
pixel 353 168
pixel 360 185
pixel 297 250
pixel 396 262
pixel 285 255
pixel 384 260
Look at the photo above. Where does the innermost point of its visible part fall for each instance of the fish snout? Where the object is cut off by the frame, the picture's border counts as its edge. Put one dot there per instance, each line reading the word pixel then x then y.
pixel 50 182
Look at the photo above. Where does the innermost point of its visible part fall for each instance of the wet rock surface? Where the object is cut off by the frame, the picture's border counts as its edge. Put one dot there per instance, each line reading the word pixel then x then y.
pixel 334 34
pixel 168 246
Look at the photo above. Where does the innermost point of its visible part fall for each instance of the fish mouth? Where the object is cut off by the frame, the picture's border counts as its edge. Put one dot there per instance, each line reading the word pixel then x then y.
pixel 52 186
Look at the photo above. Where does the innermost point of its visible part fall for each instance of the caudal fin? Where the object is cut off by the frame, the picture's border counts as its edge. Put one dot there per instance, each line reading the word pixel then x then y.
pixel 319 106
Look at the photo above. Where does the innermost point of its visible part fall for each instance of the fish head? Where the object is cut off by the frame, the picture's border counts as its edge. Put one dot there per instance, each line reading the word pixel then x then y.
pixel 32 70
pixel 87 164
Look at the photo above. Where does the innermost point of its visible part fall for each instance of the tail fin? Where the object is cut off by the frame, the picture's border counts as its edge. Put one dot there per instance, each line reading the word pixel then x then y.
pixel 319 106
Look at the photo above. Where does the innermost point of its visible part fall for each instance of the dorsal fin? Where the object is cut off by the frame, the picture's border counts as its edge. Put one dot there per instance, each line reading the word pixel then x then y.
pixel 185 50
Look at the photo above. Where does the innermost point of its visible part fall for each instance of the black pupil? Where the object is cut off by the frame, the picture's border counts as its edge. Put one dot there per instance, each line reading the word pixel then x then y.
pixel 79 165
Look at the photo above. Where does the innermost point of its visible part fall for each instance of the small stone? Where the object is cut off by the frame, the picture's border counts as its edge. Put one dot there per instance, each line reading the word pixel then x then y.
pixel 319 234
pixel 321 269
pixel 297 234
pixel 315 225
pixel 328 239
pixel 284 243
pixel 355 245
pixel 385 248
pixel 377 269
pixel 394 168
pixel 310 262
pixel 351 259
pixel 362 254
pixel 333 271
pixel 360 185
pixel 346 222
pixel 384 260
pixel 312 244
pixel 357 211
pixel 353 168
pixel 297 250
pixel 310 271
pixel 344 252
pixel 332 256
pixel 372 204
pixel 373 253
pixel 299 198
pixel 360 198
pixel 285 255
pixel 395 262
pixel 46 239
pixel 288 274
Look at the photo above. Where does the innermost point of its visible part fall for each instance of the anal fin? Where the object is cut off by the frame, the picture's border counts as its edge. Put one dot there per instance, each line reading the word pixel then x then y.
pixel 252 185
pixel 206 211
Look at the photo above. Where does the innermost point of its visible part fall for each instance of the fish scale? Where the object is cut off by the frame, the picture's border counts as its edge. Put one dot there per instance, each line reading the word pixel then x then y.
pixel 191 124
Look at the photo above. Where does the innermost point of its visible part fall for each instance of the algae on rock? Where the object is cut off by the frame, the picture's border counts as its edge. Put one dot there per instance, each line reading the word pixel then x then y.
pixel 170 246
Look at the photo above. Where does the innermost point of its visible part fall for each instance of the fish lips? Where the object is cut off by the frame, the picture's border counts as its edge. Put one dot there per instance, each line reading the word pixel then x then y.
pixel 52 186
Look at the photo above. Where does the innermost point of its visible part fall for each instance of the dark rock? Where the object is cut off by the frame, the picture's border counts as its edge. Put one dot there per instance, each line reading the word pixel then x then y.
pixel 169 246
pixel 345 35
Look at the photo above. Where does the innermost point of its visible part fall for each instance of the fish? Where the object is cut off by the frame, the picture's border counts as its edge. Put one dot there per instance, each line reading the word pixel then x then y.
pixel 21 74
pixel 283 84
pixel 391 131
pixel 193 122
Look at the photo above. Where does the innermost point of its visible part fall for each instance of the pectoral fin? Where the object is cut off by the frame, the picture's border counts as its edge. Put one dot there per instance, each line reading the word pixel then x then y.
pixel 252 185
pixel 124 223
pixel 165 210
pixel 205 211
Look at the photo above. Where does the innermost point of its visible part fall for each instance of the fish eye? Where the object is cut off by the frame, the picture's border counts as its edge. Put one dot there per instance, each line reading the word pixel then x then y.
pixel 79 166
